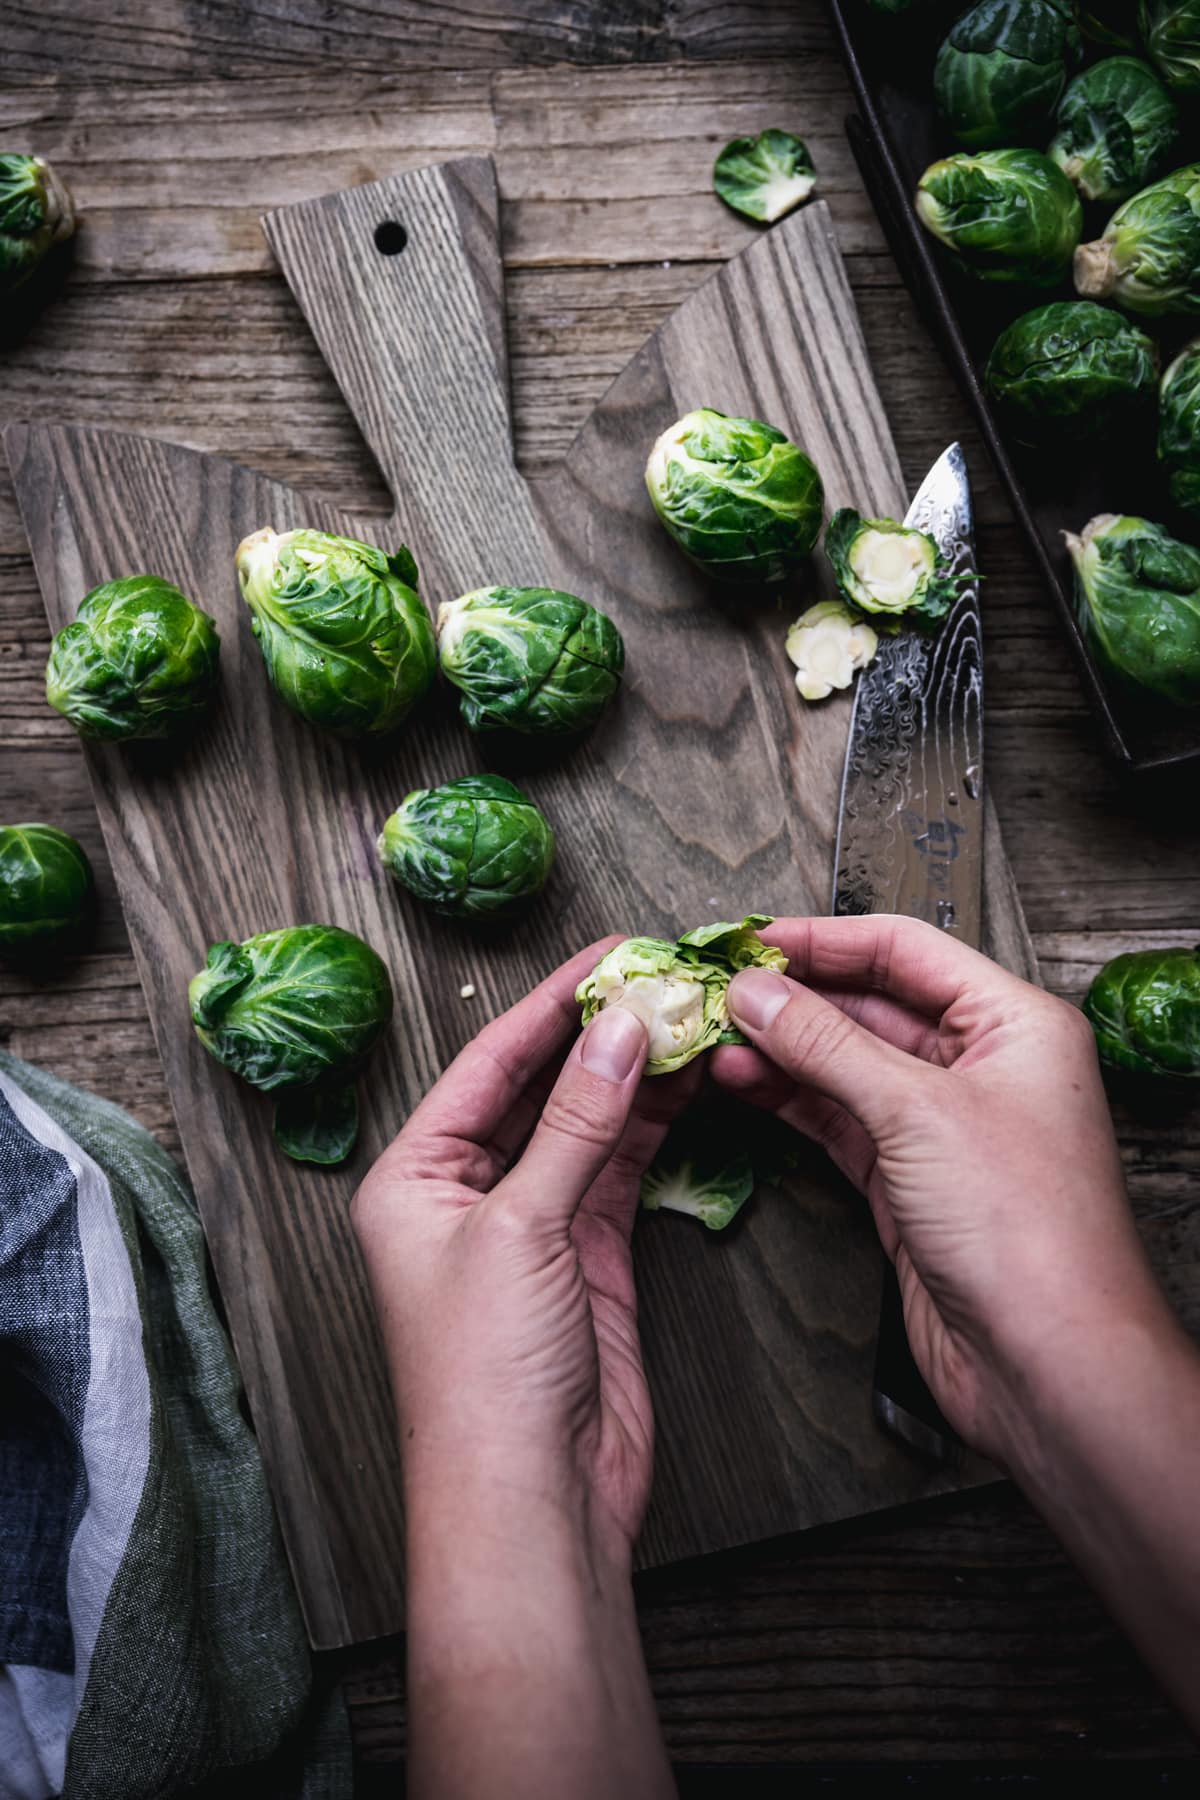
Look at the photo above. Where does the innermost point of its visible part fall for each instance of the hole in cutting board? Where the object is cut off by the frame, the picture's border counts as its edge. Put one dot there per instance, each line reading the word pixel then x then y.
pixel 390 237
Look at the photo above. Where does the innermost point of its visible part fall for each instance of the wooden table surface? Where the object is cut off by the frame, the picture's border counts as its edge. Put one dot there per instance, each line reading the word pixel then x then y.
pixel 959 1633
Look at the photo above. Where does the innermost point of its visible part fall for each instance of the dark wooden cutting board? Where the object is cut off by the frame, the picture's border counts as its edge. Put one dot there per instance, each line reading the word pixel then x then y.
pixel 709 791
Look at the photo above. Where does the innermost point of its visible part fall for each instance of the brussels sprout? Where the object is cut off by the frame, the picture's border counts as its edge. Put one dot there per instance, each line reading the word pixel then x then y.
pixel 36 212
pixel 678 990
pixel 736 495
pixel 766 176
pixel 1138 598
pixel 1145 1011
pixel 474 848
pixel 295 1012
pixel 885 568
pixel 45 889
pixel 1107 22
pixel 1117 129
pixel 1179 428
pixel 1171 30
pixel 139 660
pixel 1009 215
pixel 1148 260
pixel 1070 370
pixel 828 644
pixel 532 659
pixel 344 634
pixel 1001 69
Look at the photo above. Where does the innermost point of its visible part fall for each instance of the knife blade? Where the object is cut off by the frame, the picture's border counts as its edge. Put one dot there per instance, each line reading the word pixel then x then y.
pixel 910 836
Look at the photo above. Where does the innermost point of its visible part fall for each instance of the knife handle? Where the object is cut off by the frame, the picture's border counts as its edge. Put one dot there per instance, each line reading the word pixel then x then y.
pixel 903 1403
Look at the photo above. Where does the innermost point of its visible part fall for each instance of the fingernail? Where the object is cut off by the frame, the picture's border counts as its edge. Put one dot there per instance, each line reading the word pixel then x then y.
pixel 613 1044
pixel 756 996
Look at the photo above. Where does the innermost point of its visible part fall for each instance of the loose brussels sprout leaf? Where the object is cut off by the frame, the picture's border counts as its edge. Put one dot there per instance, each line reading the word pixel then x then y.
pixel 45 889
pixel 1148 259
pixel 1108 22
pixel 1117 129
pixel 1069 371
pixel 1138 597
pixel 476 848
pixel 736 495
pixel 711 1184
pixel 346 638
pixel 1145 1011
pixel 36 212
pixel 529 659
pixel 829 645
pixel 678 989
pixel 891 571
pixel 138 661
pixel 1002 68
pixel 1171 31
pixel 766 176
pixel 317 1125
pixel 1008 215
pixel 1179 428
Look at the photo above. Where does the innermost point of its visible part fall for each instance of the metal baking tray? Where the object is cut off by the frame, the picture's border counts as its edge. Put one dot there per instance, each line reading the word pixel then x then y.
pixel 895 137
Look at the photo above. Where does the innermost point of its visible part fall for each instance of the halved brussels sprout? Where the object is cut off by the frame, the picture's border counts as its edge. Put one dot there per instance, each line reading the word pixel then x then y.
pixel 36 212
pixel 1138 597
pixel 829 645
pixel 1001 69
pixel 742 500
pixel 1070 370
pixel 678 990
pixel 473 848
pixel 1008 215
pixel 1117 129
pixel 529 659
pixel 345 636
pixel 1145 1010
pixel 888 569
pixel 1107 22
pixel 1148 259
pixel 45 889
pixel 295 1012
pixel 139 660
pixel 1179 428
pixel 766 176
pixel 1171 30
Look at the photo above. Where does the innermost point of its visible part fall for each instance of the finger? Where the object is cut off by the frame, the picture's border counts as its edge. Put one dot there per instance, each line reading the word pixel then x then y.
pixel 747 1073
pixel 899 1025
pixel 616 1192
pixel 912 962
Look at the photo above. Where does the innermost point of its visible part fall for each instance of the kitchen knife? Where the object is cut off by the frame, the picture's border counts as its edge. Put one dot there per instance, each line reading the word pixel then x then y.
pixel 910 836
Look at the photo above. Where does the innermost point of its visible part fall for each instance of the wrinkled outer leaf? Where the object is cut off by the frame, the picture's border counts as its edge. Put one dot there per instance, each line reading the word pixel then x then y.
pixel 1138 597
pixel 1145 1011
pixel 1117 129
pixel 1001 70
pixel 317 1125
pixel 1071 371
pixel 473 848
pixel 529 659
pixel 1008 215
pixel 1179 428
pixel 138 661
pixel 35 213
pixel 45 888
pixel 1171 32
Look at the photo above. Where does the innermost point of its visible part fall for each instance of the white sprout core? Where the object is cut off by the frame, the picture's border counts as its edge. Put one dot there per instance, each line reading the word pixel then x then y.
pixel 671 1007
pixel 256 556
pixel 891 565
pixel 782 192
pixel 668 449
pixel 828 646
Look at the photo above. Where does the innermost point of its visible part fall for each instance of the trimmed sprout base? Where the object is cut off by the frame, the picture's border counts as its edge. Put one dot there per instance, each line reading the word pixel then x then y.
pixel 829 646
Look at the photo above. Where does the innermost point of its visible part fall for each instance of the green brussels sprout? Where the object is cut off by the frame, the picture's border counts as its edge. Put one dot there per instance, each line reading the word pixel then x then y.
pixel 742 500
pixel 766 176
pixel 829 644
pixel 36 212
pixel 295 1012
pixel 1070 370
pixel 1000 71
pixel 1117 129
pixel 45 889
pixel 1008 215
pixel 1138 599
pixel 345 636
pixel 1179 428
pixel 1171 30
pixel 884 568
pixel 139 660
pixel 678 990
pixel 476 848
pixel 1107 22
pixel 1148 259
pixel 532 660
pixel 1145 1011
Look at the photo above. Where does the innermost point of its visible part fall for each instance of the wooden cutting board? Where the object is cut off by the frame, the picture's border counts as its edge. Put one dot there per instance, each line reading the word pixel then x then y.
pixel 710 791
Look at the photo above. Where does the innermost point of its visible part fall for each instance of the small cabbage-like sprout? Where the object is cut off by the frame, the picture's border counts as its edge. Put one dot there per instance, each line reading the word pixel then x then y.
pixel 766 176
pixel 45 889
pixel 139 660
pixel 1071 370
pixel 678 989
pixel 1002 68
pixel 1179 428
pixel 295 1012
pixel 1107 22
pixel 1171 33
pixel 1145 1011
pixel 892 571
pixel 475 848
pixel 1008 215
pixel 1138 598
pixel 829 645
pixel 738 496
pixel 36 212
pixel 532 660
pixel 1148 259
pixel 345 636
pixel 1117 129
